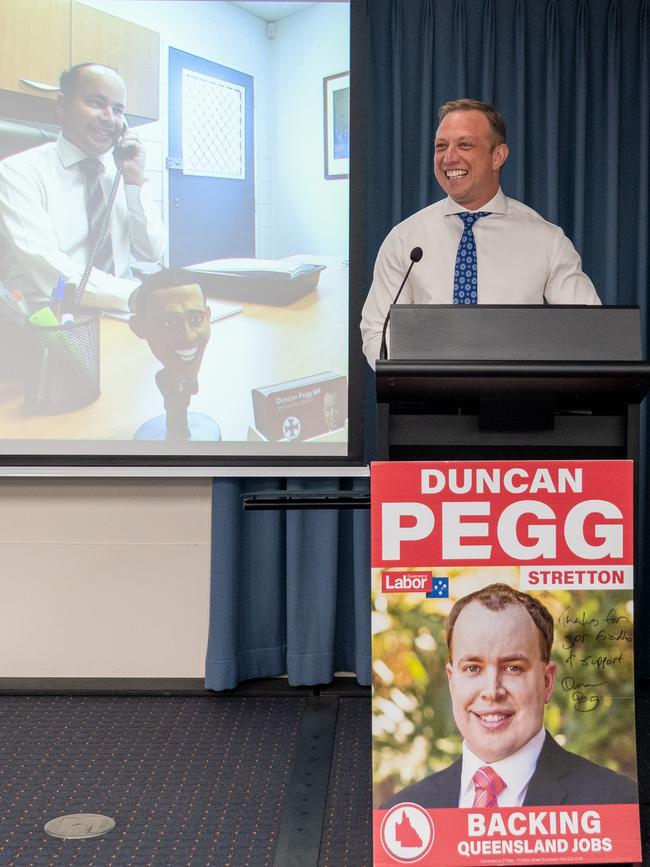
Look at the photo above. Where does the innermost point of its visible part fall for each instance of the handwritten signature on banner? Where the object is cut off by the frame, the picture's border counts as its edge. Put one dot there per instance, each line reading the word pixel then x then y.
pixel 583 631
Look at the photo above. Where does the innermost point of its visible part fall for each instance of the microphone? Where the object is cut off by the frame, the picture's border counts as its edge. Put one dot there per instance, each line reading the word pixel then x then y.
pixel 415 256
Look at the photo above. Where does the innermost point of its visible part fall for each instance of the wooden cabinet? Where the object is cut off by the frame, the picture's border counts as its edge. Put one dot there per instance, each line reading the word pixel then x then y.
pixel 41 38
pixel 131 49
pixel 35 44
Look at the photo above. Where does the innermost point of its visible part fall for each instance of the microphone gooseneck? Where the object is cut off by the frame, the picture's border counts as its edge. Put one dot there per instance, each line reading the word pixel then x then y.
pixel 415 255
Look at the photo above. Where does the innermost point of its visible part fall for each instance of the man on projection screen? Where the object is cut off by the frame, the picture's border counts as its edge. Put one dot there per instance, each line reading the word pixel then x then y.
pixel 52 198
pixel 480 247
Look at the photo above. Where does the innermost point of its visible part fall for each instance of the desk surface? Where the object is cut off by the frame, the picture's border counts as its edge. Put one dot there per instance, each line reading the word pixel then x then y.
pixel 260 346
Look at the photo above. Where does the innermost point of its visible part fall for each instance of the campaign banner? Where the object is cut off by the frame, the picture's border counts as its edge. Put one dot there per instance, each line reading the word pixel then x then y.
pixel 503 669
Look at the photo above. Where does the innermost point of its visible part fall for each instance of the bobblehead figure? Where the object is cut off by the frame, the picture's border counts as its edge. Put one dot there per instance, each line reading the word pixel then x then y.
pixel 175 322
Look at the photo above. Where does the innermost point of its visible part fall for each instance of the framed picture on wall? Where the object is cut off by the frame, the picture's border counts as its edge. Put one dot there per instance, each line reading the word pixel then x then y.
pixel 336 98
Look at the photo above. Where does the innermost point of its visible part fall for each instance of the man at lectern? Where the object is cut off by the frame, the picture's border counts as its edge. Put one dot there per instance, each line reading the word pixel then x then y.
pixel 501 676
pixel 53 198
pixel 478 245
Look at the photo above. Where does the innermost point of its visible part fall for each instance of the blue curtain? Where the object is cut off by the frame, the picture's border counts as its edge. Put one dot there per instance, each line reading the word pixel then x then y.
pixel 290 590
pixel 572 78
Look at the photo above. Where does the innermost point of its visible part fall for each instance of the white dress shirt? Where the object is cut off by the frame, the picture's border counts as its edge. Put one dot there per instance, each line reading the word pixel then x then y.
pixel 515 771
pixel 521 259
pixel 44 225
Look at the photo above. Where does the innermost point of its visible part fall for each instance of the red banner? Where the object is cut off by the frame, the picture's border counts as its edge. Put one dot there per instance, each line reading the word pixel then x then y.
pixel 570 514
pixel 503 699
pixel 409 834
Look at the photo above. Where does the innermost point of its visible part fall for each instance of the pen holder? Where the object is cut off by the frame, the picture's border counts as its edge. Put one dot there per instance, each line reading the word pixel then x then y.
pixel 62 365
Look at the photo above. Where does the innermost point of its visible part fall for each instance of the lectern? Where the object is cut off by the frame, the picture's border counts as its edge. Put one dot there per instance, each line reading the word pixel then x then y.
pixel 511 381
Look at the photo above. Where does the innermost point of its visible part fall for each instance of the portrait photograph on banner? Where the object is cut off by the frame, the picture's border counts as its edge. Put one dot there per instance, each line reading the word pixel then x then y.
pixel 503 663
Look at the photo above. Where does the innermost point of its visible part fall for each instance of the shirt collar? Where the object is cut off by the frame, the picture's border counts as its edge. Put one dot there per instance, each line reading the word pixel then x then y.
pixel 498 204
pixel 70 154
pixel 515 770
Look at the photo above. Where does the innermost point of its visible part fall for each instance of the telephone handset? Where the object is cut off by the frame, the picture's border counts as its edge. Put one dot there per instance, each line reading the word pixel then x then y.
pixel 122 151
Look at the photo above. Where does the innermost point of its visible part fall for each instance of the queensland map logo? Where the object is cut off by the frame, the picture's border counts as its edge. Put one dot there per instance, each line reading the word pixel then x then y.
pixel 407 832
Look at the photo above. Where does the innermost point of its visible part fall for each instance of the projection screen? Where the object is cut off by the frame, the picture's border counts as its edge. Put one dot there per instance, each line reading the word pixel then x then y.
pixel 216 325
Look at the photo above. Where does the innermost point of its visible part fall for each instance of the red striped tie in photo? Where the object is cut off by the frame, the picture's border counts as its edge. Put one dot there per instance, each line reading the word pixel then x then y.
pixel 488 785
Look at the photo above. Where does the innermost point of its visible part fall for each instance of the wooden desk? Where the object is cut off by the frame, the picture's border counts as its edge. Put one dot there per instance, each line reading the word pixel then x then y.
pixel 260 346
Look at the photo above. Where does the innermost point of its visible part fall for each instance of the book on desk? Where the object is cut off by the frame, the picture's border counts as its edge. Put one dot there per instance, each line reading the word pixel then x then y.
pixel 262 281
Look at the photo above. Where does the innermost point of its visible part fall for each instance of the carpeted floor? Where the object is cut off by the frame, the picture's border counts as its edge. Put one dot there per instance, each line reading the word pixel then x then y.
pixel 195 781
pixel 347 834
pixel 189 781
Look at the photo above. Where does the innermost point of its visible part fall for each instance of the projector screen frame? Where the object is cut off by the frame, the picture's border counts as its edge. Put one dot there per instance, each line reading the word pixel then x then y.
pixel 72 463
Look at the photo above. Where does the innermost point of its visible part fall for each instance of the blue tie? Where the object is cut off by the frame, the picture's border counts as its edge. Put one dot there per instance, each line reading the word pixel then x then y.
pixel 465 279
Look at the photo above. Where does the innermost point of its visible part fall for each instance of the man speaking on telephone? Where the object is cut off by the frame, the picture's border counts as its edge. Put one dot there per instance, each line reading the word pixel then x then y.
pixel 53 198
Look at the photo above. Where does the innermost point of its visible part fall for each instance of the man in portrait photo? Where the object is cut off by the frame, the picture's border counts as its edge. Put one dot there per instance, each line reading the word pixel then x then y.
pixel 501 677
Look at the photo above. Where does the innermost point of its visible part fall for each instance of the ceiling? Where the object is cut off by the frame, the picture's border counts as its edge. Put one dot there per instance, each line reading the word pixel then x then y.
pixel 269 10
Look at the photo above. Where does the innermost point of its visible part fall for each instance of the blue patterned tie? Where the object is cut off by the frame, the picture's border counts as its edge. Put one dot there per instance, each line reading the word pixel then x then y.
pixel 465 272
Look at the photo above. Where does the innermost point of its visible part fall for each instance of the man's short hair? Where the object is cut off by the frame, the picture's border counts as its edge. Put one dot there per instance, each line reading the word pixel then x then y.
pixel 496 597
pixel 69 78
pixel 497 123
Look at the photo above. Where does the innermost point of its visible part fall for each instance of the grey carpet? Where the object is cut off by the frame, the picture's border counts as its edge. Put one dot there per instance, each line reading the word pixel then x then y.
pixel 189 781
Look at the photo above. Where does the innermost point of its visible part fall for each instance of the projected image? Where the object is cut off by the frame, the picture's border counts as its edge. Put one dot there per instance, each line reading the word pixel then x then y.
pixel 173 256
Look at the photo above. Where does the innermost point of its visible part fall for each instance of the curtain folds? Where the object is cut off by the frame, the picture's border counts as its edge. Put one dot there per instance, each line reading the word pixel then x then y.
pixel 571 79
pixel 290 590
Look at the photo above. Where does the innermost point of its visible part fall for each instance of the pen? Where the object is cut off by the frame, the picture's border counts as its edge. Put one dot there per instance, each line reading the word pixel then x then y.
pixel 19 299
pixel 58 293
pixel 10 307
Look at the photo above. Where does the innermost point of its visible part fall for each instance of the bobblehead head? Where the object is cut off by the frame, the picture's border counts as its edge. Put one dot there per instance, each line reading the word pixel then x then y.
pixel 175 322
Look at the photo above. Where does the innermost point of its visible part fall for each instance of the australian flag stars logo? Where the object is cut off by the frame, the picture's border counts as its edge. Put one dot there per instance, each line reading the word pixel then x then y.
pixel 439 589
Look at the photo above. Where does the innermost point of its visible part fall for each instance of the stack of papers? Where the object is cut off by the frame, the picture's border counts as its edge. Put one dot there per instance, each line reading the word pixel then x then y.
pixel 270 269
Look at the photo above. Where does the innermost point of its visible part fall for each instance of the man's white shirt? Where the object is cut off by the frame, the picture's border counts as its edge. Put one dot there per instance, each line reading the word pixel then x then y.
pixel 522 259
pixel 44 224
pixel 515 771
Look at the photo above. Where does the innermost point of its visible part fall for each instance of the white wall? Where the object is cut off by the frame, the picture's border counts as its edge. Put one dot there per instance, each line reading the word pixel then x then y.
pixel 104 578
pixel 310 214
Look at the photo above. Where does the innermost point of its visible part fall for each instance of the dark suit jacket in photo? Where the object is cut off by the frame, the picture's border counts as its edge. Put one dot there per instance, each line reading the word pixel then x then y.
pixel 560 777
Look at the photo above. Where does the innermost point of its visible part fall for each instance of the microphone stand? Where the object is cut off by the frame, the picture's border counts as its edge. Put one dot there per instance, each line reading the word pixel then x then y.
pixel 415 256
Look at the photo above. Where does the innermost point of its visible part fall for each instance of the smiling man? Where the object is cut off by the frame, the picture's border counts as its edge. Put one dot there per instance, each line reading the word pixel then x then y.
pixel 500 678
pixel 480 247
pixel 52 197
